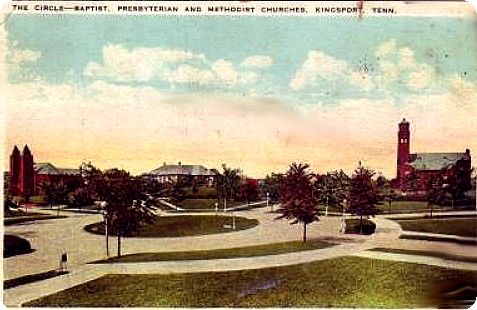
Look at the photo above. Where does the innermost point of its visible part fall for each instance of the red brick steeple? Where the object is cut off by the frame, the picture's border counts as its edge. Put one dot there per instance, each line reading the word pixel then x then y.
pixel 403 153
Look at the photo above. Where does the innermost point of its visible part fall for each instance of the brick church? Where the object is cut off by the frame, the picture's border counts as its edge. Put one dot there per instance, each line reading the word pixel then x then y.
pixel 425 165
pixel 25 177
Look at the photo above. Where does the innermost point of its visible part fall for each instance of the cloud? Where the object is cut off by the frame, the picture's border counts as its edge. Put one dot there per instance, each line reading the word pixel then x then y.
pixel 318 65
pixel 189 74
pixel 394 64
pixel 257 61
pixel 18 56
pixel 399 63
pixel 138 64
pixel 421 77
pixel 144 64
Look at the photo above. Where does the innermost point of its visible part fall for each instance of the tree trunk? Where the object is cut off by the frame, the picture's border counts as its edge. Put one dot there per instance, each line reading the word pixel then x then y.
pixel 304 232
pixel 361 224
pixel 432 206
pixel 390 206
pixel 119 243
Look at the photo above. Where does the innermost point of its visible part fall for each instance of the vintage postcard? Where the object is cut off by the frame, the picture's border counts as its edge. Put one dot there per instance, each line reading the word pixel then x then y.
pixel 239 154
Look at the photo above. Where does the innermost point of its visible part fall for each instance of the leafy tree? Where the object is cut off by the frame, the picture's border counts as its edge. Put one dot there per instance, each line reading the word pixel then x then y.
pixel 297 199
pixel 127 205
pixel 385 191
pixel 272 185
pixel 412 181
pixel 47 189
pixel 228 183
pixel 56 194
pixel 456 182
pixel 80 198
pixel 249 191
pixel 331 189
pixel 435 191
pixel 362 194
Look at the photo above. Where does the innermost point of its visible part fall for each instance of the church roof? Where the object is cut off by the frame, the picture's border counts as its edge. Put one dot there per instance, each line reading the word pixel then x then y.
pixel 436 161
pixel 193 170
pixel 49 168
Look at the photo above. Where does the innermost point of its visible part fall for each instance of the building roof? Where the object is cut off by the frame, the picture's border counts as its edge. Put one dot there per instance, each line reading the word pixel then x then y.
pixel 48 168
pixel 436 161
pixel 193 170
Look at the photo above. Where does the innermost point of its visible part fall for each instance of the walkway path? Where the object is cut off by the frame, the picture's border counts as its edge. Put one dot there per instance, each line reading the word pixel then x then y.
pixel 170 205
pixel 50 237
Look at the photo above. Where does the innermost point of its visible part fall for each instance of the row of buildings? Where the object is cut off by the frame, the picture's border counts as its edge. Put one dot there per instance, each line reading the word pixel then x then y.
pixel 25 177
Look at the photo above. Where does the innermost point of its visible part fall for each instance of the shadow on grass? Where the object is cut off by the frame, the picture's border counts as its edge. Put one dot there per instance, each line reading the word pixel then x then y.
pixel 32 278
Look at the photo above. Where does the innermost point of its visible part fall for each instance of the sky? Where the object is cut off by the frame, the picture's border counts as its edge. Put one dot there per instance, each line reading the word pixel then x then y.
pixel 257 93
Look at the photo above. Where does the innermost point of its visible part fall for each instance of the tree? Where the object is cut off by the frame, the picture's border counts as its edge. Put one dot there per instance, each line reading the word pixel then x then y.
pixel 80 198
pixel 331 189
pixel 47 189
pixel 385 190
pixel 249 191
pixel 128 207
pixel 362 194
pixel 55 194
pixel 457 182
pixel 413 181
pixel 297 200
pixel 228 183
pixel 435 191
pixel 272 185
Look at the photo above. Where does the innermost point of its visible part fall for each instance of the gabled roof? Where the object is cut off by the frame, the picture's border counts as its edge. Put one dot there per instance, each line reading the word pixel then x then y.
pixel 193 170
pixel 48 168
pixel 436 161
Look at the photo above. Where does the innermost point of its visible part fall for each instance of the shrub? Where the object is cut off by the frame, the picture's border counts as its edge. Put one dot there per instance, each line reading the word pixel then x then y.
pixel 13 245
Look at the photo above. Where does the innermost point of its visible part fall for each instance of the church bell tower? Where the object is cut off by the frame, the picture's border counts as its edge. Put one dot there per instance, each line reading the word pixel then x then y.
pixel 403 152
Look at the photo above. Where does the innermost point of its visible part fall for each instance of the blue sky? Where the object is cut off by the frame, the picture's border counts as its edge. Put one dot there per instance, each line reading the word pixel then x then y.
pixel 253 92
pixel 69 43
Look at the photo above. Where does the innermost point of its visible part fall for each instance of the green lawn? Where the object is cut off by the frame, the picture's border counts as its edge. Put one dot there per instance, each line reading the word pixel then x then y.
pixel 428 253
pixel 184 225
pixel 341 282
pixel 257 250
pixel 400 206
pixel 466 227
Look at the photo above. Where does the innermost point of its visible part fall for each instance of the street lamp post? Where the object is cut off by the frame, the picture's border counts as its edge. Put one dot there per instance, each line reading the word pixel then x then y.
pixel 105 216
pixel 268 195
pixel 343 219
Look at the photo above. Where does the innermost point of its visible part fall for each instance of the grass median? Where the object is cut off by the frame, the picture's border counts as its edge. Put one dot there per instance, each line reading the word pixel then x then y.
pixel 257 250
pixel 341 282
pixel 465 227
pixel 184 226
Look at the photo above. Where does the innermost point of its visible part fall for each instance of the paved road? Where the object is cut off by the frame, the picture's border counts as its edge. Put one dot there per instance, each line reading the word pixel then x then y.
pixel 51 237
